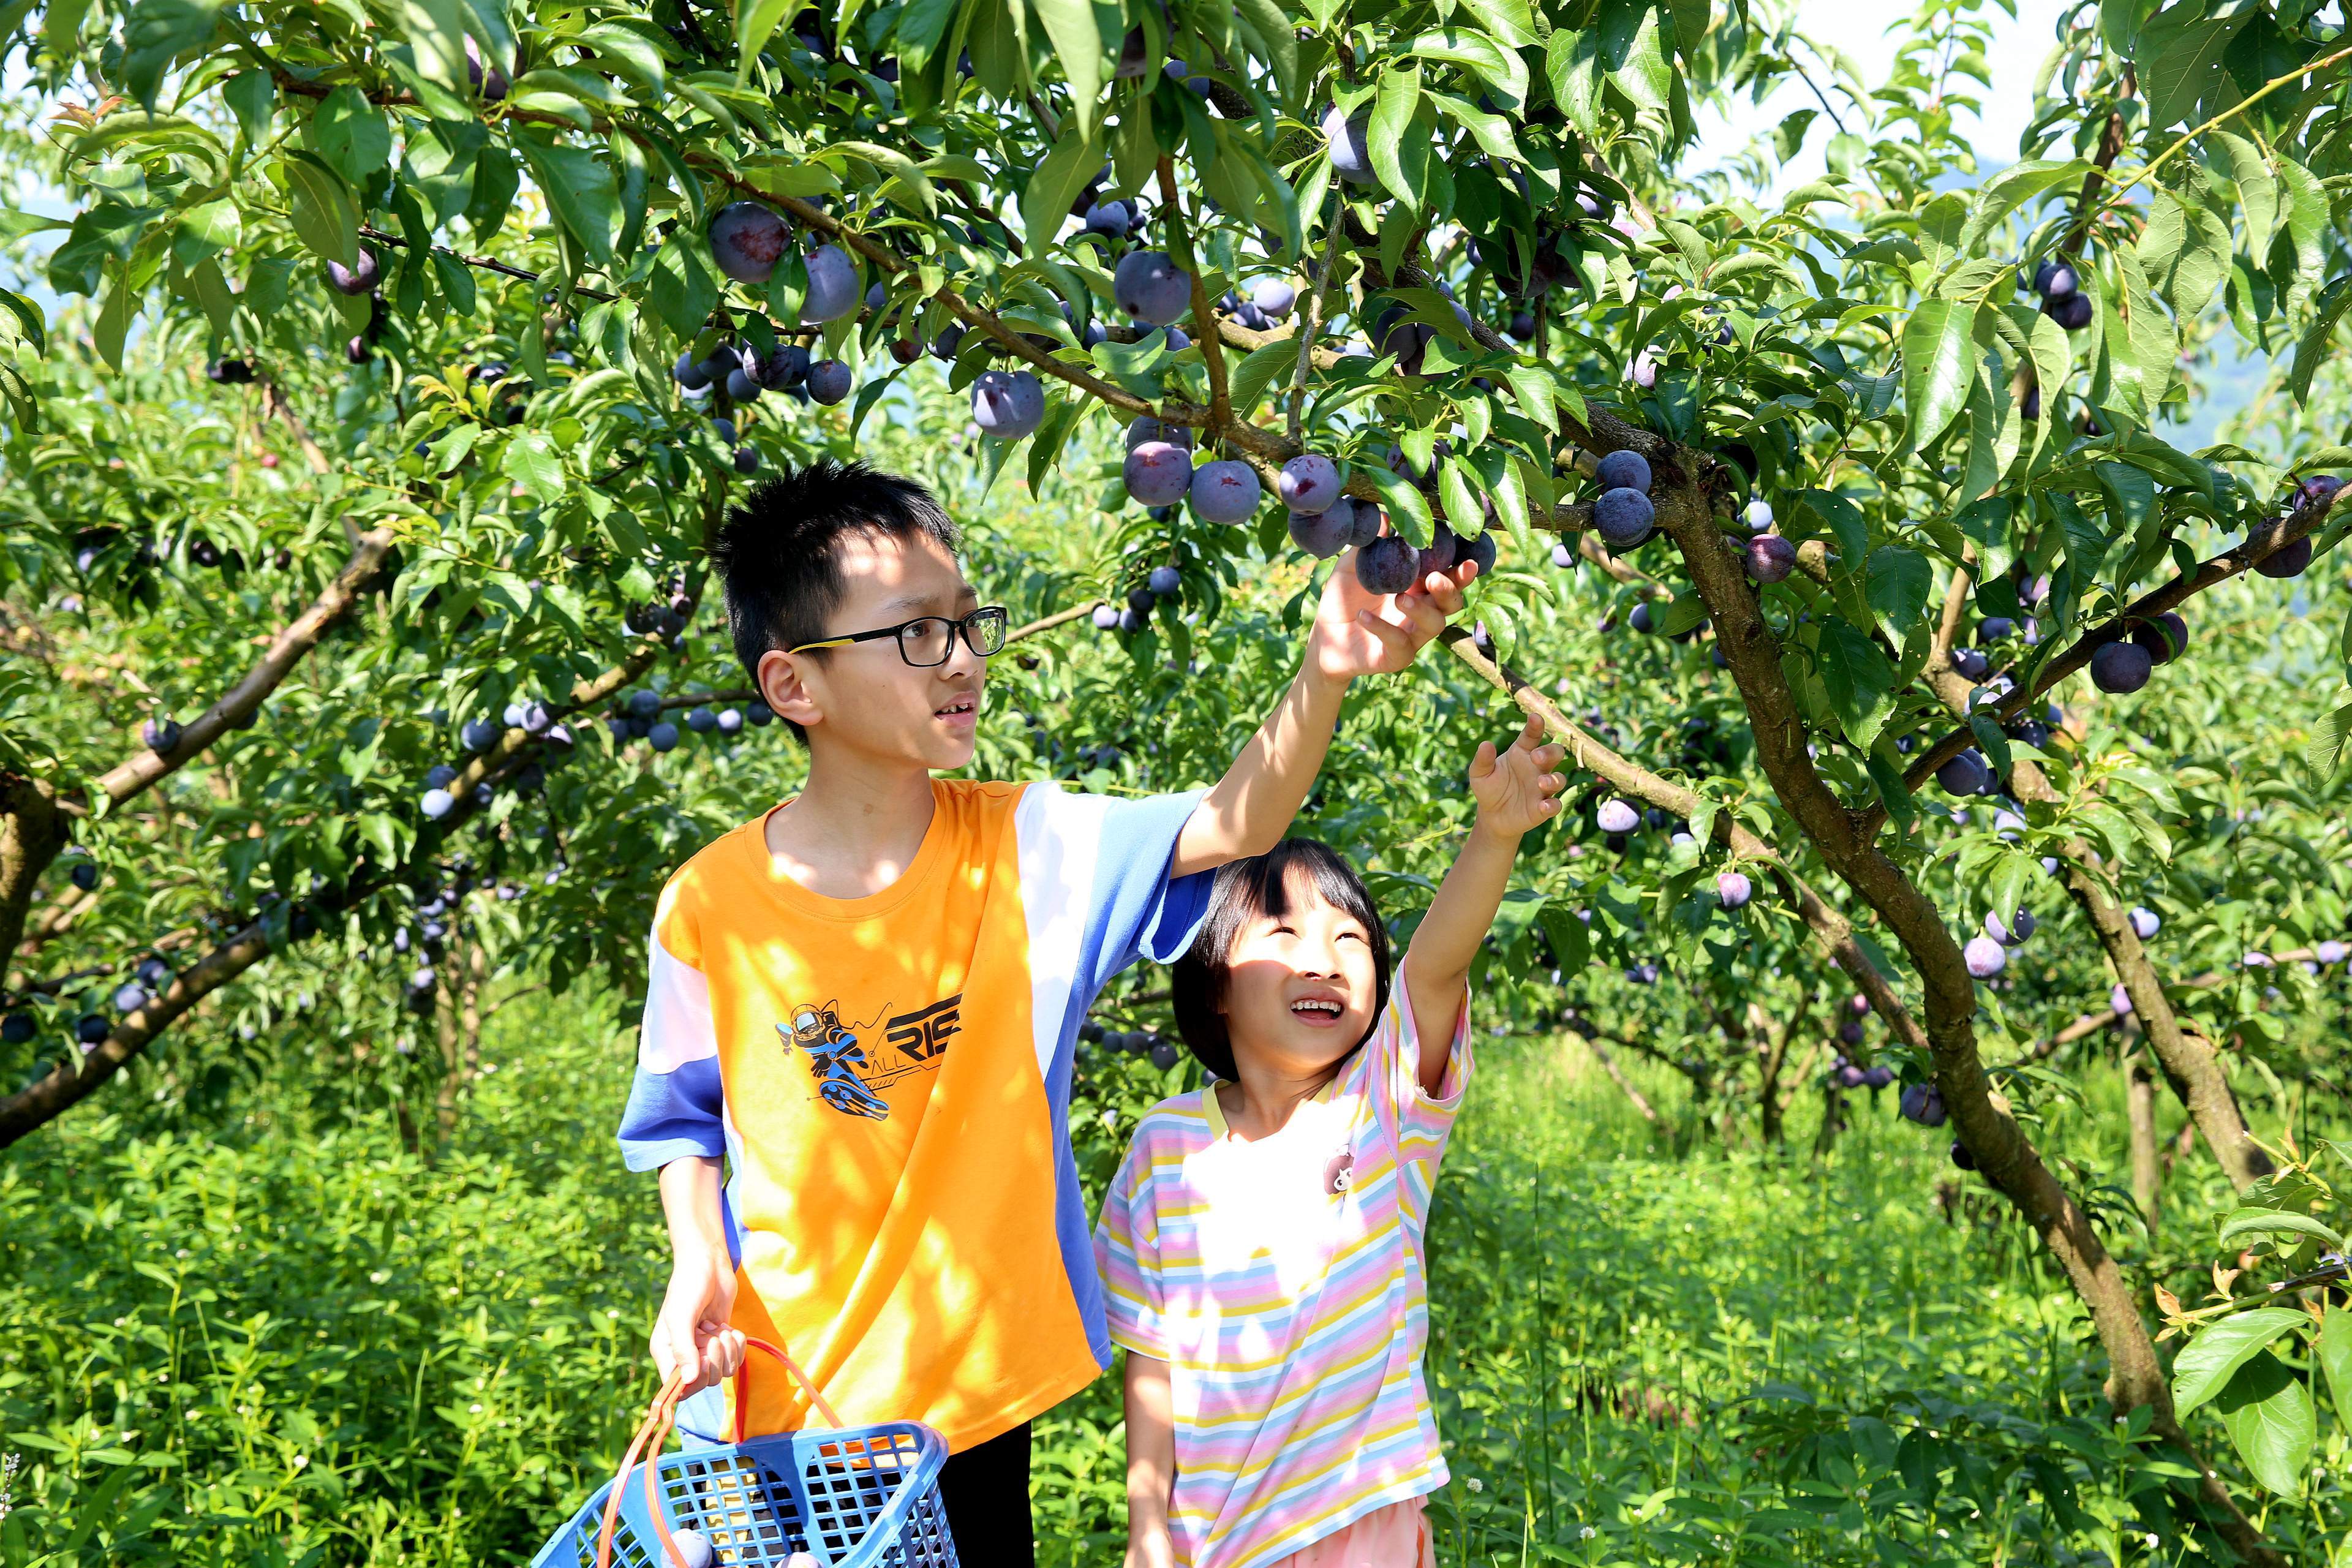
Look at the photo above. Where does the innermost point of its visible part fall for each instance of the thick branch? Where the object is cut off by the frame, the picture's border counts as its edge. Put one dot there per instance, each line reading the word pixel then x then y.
pixel 2259 545
pixel 33 831
pixel 126 779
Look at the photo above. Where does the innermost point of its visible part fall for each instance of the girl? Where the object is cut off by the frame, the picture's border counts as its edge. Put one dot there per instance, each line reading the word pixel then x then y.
pixel 1261 1246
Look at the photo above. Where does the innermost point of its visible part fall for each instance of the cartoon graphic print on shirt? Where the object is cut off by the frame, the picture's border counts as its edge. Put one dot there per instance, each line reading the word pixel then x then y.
pixel 847 1079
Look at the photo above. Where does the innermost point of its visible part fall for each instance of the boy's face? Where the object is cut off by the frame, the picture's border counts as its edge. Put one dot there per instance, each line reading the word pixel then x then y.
pixel 865 699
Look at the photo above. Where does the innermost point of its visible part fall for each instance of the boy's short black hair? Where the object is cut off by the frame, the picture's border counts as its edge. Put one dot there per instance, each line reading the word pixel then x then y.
pixel 776 552
pixel 1252 890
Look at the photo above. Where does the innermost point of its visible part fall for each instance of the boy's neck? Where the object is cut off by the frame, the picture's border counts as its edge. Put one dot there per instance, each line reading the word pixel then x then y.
pixel 854 827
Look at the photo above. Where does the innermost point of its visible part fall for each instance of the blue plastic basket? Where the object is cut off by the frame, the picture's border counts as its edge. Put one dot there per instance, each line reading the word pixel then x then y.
pixel 854 1497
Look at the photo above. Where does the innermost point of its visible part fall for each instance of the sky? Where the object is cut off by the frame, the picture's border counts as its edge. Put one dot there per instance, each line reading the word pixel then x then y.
pixel 1866 31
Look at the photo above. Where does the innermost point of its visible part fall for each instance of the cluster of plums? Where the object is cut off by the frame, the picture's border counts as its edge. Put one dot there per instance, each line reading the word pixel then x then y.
pixel 150 978
pixel 1159 471
pixel 639 718
pixel 2060 288
pixel 479 735
pixel 1137 1042
pixel 1163 583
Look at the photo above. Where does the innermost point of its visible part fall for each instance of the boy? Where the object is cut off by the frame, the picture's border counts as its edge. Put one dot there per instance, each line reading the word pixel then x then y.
pixel 865 999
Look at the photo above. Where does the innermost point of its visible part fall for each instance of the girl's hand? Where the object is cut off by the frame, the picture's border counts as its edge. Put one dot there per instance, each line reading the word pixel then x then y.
pixel 1516 790
pixel 1148 1547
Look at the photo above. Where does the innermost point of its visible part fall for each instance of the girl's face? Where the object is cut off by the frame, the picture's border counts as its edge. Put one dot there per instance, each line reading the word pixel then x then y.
pixel 1300 986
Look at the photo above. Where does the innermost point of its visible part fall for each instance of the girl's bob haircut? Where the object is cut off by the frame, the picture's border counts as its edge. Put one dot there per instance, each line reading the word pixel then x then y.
pixel 1245 893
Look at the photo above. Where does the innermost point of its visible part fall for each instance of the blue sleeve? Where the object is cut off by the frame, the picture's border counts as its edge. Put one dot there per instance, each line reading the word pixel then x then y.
pixel 678 1103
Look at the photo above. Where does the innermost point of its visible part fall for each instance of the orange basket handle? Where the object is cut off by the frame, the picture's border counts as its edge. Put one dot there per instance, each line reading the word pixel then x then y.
pixel 807 1383
pixel 654 1432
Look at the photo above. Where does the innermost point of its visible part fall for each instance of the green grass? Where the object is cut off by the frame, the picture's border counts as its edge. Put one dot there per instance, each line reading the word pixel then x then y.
pixel 295 1343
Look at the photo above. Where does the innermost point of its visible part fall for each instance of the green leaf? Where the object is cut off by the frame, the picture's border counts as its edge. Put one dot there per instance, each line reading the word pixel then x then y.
pixel 1900 582
pixel 2334 1352
pixel 326 218
pixel 1938 364
pixel 1399 157
pixel 1571 943
pixel 2180 57
pixel 1858 678
pixel 2011 189
pixel 250 96
pixel 1533 386
pixel 1277 43
pixel 2252 1222
pixel 2207 1362
pixel 1845 522
pixel 1247 382
pixel 1046 199
pixel 1510 21
pixel 351 133
pixel 2270 1422
pixel 1572 67
pixel 1079 44
pixel 580 189
pixel 2242 164
pixel 755 23
pixel 436 30
pixel 113 322
pixel 1633 55
pixel 2311 348
pixel 1407 508
pixel 531 462
pixel 2185 251
pixel 156 33
pixel 2325 752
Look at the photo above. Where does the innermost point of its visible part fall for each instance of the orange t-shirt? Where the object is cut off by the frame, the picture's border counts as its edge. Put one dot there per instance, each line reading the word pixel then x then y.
pixel 888 1079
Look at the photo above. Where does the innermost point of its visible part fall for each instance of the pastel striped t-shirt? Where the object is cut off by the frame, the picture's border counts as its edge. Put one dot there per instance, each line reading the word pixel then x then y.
pixel 1282 1280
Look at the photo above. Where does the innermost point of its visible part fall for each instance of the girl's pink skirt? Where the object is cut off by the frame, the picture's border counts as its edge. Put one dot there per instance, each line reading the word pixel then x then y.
pixel 1396 1536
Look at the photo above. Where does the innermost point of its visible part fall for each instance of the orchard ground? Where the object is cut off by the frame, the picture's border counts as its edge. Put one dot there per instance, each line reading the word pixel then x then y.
pixel 294 1341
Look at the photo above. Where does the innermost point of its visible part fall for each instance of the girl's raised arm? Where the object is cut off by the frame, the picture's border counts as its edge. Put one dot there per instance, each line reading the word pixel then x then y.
pixel 1515 792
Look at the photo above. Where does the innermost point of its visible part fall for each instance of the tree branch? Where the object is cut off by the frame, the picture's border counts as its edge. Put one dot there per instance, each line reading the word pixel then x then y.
pixel 481 263
pixel 2259 545
pixel 128 779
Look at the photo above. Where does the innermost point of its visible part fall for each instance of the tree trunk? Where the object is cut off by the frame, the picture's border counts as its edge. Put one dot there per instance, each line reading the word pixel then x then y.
pixel 1981 1117
pixel 2190 1066
pixel 2140 1092
pixel 33 830
pixel 1617 1076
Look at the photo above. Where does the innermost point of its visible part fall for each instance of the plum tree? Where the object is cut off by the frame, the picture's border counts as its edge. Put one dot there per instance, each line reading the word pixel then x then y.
pixel 658 226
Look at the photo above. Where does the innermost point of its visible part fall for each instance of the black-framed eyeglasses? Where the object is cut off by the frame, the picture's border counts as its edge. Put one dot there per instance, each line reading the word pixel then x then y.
pixel 927 640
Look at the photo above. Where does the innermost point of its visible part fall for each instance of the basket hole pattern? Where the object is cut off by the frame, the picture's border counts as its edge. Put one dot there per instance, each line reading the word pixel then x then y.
pixel 626 1552
pixel 743 1508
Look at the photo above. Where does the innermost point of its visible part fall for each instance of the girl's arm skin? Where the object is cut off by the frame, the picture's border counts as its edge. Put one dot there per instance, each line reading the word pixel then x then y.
pixel 1515 793
pixel 1150 1462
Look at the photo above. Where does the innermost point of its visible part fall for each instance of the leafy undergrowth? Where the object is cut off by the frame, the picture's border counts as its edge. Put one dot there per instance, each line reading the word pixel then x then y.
pixel 298 1344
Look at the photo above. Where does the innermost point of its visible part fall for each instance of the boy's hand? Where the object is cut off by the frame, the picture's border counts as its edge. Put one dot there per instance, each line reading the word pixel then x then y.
pixel 1357 633
pixel 692 1331
pixel 1514 791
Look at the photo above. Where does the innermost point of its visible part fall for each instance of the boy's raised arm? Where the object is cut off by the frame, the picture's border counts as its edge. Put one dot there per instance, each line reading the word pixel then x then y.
pixel 1356 633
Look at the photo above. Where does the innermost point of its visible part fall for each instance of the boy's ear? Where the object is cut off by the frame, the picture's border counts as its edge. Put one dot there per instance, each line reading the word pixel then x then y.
pixel 784 687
